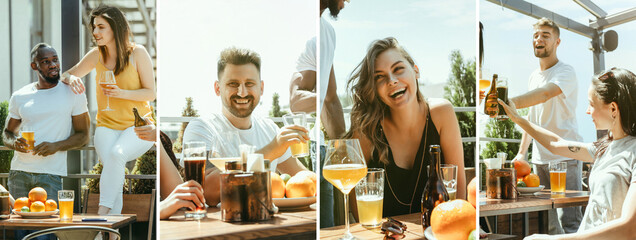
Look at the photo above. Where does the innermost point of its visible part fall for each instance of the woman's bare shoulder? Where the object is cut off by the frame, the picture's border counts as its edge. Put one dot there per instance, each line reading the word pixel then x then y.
pixel 441 111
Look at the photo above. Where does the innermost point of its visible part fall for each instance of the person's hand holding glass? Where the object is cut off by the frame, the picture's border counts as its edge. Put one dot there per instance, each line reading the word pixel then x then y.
pixel 194 158
pixel 106 81
pixel 344 167
pixel 300 149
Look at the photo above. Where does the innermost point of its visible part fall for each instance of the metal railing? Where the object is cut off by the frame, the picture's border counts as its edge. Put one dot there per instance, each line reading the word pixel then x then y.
pixel 312 119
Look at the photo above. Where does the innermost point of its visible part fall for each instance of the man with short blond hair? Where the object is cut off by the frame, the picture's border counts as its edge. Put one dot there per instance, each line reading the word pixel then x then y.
pixel 552 101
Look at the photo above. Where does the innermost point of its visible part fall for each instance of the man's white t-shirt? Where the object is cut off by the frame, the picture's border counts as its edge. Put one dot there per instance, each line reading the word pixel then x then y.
pixel 47 112
pixel 557 114
pixel 610 179
pixel 211 129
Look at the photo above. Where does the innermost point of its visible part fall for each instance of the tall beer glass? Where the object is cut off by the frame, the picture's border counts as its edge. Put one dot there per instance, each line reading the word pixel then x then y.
pixel 370 198
pixel 194 154
pixel 28 135
pixel 502 93
pixel 65 199
pixel 558 172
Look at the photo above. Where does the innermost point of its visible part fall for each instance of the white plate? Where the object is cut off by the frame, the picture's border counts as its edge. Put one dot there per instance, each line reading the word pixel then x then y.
pixel 294 202
pixel 530 190
pixel 36 214
pixel 428 233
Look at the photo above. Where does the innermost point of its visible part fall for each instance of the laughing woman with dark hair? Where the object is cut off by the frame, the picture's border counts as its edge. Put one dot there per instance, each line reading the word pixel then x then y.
pixel 395 125
pixel 611 209
pixel 115 140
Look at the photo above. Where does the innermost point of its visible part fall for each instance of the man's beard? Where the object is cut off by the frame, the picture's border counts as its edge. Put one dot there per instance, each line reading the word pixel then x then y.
pixel 333 8
pixel 243 113
pixel 544 54
pixel 51 80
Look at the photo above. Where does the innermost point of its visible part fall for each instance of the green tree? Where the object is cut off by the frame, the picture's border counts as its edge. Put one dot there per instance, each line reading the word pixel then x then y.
pixel 6 155
pixel 188 111
pixel 460 91
pixel 276 112
pixel 503 129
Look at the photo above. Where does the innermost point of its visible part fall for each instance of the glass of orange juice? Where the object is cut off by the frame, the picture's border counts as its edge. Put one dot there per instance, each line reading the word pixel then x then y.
pixel 558 172
pixel 65 199
pixel 300 149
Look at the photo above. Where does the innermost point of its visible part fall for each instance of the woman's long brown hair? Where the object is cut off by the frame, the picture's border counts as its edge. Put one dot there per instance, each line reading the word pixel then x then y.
pixel 121 33
pixel 368 110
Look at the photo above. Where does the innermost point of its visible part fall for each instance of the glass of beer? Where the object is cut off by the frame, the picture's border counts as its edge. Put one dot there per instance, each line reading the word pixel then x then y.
pixel 344 167
pixel 194 154
pixel 28 135
pixel 107 79
pixel 225 150
pixel 298 149
pixel 502 93
pixel 558 172
pixel 484 79
pixel 65 198
pixel 370 198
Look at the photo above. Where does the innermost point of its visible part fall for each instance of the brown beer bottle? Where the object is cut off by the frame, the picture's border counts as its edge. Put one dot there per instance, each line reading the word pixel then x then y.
pixel 434 191
pixel 491 106
pixel 138 120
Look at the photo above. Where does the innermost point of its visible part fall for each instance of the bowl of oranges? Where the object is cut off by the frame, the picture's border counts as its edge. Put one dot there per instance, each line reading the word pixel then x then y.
pixel 294 192
pixel 527 182
pixel 36 205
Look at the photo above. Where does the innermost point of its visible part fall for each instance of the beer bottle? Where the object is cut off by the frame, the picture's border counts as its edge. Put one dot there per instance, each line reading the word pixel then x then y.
pixel 491 106
pixel 434 191
pixel 138 120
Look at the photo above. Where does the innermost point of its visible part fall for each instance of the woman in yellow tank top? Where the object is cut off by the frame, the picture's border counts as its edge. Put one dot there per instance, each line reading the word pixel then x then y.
pixel 115 140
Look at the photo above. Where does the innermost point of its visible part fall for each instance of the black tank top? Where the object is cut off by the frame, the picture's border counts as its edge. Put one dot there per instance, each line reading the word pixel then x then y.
pixel 407 184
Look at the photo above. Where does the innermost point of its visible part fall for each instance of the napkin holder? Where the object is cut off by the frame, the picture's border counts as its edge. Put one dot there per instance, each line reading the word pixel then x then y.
pixel 501 183
pixel 246 196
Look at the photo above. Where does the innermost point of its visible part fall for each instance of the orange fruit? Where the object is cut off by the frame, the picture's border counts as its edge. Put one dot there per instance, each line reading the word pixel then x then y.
pixel 453 220
pixel 531 180
pixel 278 186
pixel 21 202
pixel 37 194
pixel 472 192
pixel 311 175
pixel 522 167
pixel 37 207
pixel 300 186
pixel 50 205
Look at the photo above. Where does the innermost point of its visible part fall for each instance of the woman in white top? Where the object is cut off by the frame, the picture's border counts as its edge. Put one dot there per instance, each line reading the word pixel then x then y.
pixel 611 210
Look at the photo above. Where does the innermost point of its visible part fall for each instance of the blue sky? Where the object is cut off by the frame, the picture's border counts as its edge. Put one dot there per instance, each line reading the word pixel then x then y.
pixel 429 30
pixel 508 48
pixel 189 46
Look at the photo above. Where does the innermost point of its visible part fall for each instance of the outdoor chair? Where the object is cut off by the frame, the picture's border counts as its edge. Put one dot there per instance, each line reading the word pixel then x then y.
pixel 74 232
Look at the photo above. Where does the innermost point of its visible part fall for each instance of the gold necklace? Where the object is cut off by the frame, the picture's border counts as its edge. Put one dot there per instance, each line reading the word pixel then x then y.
pixel 420 171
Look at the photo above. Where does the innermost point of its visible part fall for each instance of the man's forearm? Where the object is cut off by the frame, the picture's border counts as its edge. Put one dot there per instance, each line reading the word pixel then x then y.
pixel 270 151
pixel 302 101
pixel 8 139
pixel 525 143
pixel 332 118
pixel 77 140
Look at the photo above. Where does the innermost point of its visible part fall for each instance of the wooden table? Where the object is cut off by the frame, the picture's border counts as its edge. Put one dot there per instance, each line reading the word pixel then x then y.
pixel 412 221
pixel 541 202
pixel 113 221
pixel 299 224
pixel 530 203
